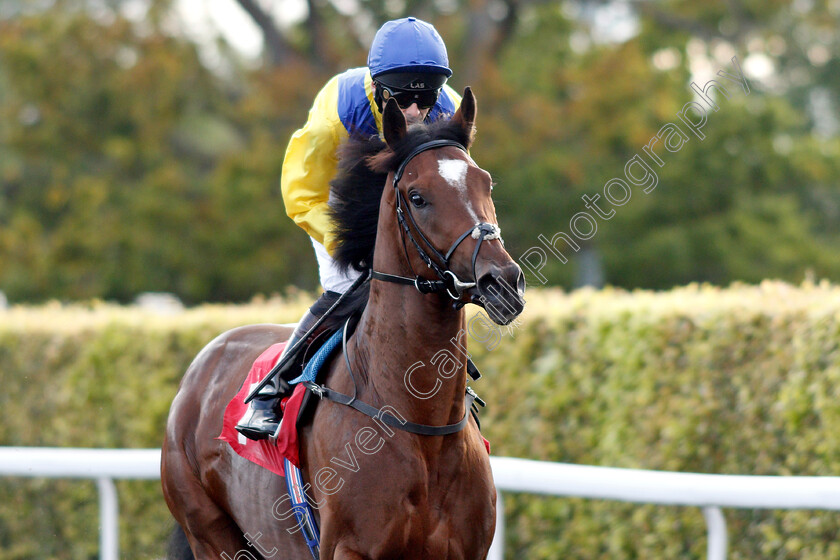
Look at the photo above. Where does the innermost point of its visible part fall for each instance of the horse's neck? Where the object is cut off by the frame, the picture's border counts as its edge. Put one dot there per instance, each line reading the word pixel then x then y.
pixel 413 349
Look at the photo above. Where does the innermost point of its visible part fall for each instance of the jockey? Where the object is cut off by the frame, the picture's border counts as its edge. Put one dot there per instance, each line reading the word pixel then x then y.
pixel 407 61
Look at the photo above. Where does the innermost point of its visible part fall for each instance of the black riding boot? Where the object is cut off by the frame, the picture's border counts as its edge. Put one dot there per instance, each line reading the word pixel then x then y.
pixel 263 416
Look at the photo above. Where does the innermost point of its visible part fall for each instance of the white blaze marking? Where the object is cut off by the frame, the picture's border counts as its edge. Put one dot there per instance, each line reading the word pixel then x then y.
pixel 454 172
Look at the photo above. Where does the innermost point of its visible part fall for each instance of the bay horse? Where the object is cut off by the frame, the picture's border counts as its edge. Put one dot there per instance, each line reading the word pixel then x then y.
pixel 387 494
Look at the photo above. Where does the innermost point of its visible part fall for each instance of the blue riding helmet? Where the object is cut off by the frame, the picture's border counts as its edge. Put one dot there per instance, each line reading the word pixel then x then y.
pixel 408 45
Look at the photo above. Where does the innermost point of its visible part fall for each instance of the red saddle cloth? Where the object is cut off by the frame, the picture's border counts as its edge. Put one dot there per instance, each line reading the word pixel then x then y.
pixel 263 452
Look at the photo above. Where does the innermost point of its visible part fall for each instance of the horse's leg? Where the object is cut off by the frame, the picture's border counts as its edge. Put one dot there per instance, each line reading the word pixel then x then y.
pixel 219 538
pixel 210 531
pixel 191 453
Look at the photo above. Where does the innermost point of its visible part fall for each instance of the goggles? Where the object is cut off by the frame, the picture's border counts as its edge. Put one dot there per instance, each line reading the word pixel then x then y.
pixel 425 98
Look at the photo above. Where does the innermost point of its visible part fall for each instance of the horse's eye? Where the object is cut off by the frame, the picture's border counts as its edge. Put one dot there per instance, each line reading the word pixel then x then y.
pixel 417 200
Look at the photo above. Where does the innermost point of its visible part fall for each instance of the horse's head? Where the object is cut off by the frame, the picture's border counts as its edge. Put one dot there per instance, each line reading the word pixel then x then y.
pixel 445 214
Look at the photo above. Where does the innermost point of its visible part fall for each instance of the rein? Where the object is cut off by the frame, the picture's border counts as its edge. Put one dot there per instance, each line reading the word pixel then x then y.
pixel 325 392
pixel 448 280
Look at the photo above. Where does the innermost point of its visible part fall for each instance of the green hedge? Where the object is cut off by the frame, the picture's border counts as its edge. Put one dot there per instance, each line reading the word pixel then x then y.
pixel 738 381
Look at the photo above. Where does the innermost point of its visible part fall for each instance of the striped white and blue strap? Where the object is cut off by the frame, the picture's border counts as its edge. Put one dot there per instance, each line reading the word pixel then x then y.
pixel 303 512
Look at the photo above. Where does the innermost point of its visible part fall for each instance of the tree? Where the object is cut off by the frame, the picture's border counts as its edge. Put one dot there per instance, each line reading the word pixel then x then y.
pixel 126 165
pixel 739 205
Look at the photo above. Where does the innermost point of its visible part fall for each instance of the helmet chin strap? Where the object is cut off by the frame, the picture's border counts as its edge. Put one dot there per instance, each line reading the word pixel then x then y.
pixel 377 97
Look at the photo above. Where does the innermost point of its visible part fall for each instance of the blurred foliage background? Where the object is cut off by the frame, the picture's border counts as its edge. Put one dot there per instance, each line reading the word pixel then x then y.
pixel 135 157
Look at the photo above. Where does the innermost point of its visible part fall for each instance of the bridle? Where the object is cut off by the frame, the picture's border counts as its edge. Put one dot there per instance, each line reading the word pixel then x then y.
pixel 448 281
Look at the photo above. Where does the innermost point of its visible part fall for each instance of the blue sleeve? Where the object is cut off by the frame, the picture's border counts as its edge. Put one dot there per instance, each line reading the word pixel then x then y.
pixel 354 103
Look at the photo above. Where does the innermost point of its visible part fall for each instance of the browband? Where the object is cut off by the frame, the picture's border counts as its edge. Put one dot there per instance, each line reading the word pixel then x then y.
pixel 430 145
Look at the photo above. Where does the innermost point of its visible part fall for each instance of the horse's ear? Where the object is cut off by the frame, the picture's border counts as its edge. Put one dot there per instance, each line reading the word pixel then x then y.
pixel 465 115
pixel 393 123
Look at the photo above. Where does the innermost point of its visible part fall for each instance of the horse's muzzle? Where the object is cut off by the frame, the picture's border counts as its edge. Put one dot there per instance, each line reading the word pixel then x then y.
pixel 500 290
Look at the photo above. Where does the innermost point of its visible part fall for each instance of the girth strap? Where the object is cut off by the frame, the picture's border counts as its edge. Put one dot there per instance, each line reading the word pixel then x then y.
pixel 391 420
pixel 303 512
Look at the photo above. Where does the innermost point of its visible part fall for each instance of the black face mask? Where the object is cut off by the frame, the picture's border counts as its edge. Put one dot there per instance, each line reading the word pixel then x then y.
pixel 425 98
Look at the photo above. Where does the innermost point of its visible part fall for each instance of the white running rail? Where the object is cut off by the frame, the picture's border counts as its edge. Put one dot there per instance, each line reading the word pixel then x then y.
pixel 707 491
pixel 102 465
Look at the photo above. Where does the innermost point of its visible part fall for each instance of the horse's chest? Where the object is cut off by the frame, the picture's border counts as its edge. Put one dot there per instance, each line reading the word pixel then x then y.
pixel 428 530
pixel 442 515
pixel 396 501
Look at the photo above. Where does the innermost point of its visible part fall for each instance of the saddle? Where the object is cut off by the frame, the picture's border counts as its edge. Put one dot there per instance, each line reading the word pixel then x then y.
pixel 268 454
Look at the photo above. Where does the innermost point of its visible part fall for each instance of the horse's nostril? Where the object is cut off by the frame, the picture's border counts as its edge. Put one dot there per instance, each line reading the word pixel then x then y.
pixel 485 282
pixel 506 284
pixel 500 292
